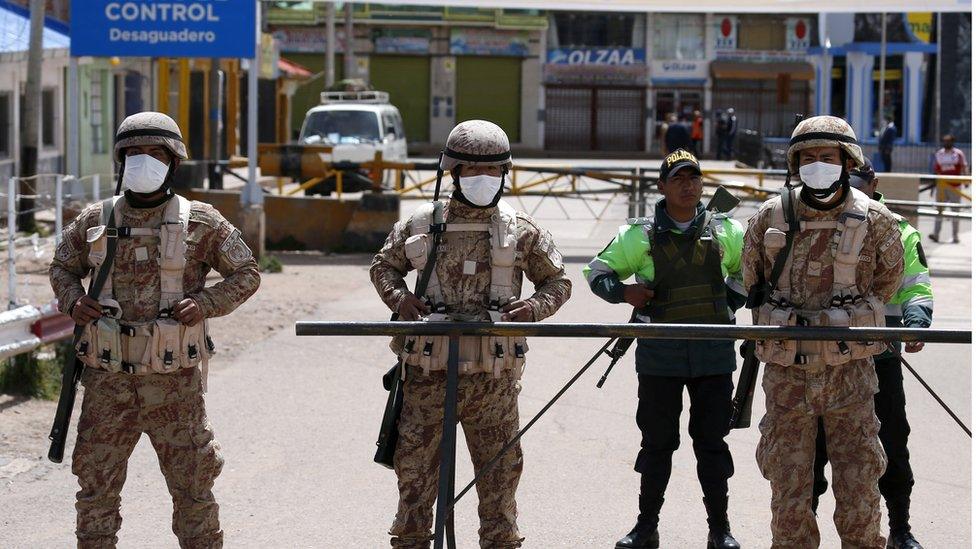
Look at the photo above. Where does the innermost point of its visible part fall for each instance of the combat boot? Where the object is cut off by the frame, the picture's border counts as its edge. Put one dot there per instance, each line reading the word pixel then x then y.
pixel 644 535
pixel 900 532
pixel 719 532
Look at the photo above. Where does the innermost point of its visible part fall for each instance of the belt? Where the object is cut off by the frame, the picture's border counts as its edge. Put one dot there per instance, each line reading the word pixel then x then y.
pixel 136 370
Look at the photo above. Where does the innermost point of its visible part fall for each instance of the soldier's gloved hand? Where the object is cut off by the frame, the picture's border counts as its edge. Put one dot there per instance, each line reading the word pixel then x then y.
pixel 187 312
pixel 85 310
pixel 412 308
pixel 517 311
pixel 914 346
pixel 638 296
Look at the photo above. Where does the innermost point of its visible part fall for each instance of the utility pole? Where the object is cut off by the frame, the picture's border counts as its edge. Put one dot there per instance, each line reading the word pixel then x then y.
pixel 348 55
pixel 32 115
pixel 330 46
pixel 216 175
pixel 881 79
pixel 938 77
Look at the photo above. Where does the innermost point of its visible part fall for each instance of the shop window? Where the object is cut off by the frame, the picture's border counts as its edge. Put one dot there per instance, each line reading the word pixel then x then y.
pixel 762 33
pixel 96 114
pixel 619 30
pixel 5 129
pixel 893 91
pixel 678 36
pixel 49 116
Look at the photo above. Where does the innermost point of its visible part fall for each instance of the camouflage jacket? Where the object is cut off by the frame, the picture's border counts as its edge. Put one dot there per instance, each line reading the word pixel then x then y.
pixel 212 243
pixel 879 269
pixel 536 256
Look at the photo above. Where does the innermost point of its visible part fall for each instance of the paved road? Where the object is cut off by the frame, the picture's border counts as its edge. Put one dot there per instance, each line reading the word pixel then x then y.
pixel 297 418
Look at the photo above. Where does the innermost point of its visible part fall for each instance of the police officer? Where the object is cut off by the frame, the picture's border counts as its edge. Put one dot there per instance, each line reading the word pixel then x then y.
pixel 146 341
pixel 477 275
pixel 844 262
pixel 910 307
pixel 686 265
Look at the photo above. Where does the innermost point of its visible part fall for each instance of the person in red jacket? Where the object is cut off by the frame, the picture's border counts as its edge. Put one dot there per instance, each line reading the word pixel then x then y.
pixel 948 161
pixel 697 133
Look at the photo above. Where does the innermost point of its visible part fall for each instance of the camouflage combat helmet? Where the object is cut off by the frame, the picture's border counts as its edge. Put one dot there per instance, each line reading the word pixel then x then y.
pixel 823 131
pixel 476 143
pixel 149 128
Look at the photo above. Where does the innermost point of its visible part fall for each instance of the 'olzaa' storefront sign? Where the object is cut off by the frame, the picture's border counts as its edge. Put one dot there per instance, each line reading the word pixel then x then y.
pixel 596 66
pixel 165 28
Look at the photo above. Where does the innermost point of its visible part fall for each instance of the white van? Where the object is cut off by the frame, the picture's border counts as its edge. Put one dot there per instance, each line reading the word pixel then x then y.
pixel 356 125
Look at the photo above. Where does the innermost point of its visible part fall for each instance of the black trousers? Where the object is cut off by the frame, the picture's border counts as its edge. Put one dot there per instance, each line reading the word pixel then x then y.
pixel 889 404
pixel 886 160
pixel 658 414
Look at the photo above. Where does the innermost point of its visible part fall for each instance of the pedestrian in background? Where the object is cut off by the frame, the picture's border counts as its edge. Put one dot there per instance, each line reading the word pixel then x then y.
pixel 886 143
pixel 677 136
pixel 697 133
pixel 948 161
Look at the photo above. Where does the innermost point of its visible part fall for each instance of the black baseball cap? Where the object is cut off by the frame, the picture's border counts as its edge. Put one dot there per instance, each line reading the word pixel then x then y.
pixel 677 160
pixel 864 173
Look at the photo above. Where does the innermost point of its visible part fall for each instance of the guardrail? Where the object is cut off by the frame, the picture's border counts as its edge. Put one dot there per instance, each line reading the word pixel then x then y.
pixel 443 525
pixel 26 328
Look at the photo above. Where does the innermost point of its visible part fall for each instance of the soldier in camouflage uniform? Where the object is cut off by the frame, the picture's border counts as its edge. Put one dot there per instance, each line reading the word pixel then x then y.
pixel 145 342
pixel 846 263
pixel 477 275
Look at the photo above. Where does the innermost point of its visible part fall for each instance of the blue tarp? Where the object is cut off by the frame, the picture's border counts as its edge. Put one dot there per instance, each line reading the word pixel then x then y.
pixel 15 30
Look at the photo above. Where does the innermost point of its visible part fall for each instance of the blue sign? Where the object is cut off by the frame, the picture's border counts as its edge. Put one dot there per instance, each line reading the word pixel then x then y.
pixel 163 28
pixel 596 56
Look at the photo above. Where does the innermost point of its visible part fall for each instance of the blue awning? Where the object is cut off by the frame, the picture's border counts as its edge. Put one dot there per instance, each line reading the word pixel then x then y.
pixel 15 30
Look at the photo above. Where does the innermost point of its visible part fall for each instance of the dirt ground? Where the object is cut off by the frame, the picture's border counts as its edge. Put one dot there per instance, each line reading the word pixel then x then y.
pixel 281 300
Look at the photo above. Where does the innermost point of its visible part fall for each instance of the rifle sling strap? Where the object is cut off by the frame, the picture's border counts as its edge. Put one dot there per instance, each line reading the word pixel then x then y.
pixel 794 227
pixel 98 281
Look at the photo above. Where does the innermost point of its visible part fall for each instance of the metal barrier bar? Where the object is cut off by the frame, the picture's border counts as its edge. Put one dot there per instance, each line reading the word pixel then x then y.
pixel 444 519
pixel 955 205
pixel 640 331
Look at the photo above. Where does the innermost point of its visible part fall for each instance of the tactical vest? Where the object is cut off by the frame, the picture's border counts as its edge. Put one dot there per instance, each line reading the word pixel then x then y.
pixel 477 354
pixel 847 306
pixel 691 289
pixel 163 345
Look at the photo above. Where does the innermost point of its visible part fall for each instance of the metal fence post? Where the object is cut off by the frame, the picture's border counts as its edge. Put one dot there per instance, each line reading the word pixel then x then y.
pixel 96 187
pixel 444 520
pixel 58 207
pixel 634 192
pixel 11 235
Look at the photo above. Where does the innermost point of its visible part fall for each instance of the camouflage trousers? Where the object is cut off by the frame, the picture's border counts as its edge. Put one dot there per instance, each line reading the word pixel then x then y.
pixel 117 409
pixel 488 413
pixel 843 396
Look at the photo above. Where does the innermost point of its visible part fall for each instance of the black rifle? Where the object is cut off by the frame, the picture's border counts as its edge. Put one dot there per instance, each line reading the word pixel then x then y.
pixel 759 293
pixel 73 367
pixel 389 433
pixel 722 201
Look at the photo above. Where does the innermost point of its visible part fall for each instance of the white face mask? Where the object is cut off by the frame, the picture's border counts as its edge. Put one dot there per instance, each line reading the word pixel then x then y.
pixel 480 190
pixel 820 175
pixel 144 174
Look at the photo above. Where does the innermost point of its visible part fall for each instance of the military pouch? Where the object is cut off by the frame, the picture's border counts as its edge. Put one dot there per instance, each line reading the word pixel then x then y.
pixel 774 240
pixel 108 344
pixel 503 353
pixel 172 260
pixel 97 244
pixel 416 251
pixel 194 344
pixel 166 355
pixel 776 351
pixel 836 352
pixel 86 349
pixel 866 313
pixel 137 343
